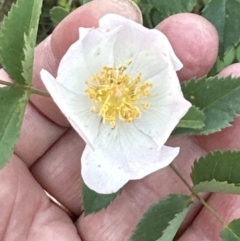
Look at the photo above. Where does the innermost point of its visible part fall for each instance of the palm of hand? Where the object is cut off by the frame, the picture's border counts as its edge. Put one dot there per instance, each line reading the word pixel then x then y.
pixel 48 152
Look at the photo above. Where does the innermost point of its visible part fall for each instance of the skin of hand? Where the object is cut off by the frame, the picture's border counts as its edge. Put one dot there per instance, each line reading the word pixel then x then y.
pixel 48 152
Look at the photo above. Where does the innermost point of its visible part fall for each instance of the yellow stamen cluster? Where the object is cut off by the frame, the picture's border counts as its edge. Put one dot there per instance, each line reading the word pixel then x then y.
pixel 116 94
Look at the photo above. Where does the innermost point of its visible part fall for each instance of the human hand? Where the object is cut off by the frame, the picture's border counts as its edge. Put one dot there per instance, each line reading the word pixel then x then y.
pixel 48 152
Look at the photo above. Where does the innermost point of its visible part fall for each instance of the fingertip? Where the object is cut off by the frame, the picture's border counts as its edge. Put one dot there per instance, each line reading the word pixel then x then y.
pixel 233 70
pixel 195 42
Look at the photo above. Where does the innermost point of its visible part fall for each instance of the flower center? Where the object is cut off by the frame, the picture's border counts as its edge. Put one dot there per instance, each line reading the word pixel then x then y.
pixel 117 94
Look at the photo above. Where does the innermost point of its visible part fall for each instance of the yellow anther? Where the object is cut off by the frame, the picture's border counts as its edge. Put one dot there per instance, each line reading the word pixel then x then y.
pixel 116 94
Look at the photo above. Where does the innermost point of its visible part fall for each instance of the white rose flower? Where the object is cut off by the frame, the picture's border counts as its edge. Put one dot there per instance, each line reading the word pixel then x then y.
pixel 118 87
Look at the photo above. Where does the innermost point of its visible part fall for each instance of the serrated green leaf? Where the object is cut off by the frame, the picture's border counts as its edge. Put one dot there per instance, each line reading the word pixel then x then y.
pixel 94 202
pixel 13 102
pixel 58 14
pixel 216 186
pixel 224 15
pixel 217 172
pixel 171 230
pixel 218 98
pixel 162 220
pixel 21 20
pixel 228 59
pixel 193 119
pixel 27 63
pixel 232 231
pixel 30 38
pixel 170 7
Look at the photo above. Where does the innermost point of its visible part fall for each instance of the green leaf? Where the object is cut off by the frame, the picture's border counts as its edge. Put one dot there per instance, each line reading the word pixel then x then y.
pixel 13 102
pixel 224 15
pixel 219 99
pixel 30 41
pixel 146 9
pixel 227 60
pixel 94 202
pixel 13 36
pixel 232 231
pixel 170 7
pixel 162 220
pixel 216 186
pixel 217 172
pixel 85 1
pixel 58 14
pixel 238 53
pixel 193 119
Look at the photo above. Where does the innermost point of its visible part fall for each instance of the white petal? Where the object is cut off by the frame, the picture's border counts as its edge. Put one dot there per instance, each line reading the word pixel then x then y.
pixel 144 46
pixel 167 107
pixel 105 170
pixel 85 58
pixel 83 32
pixel 121 155
pixel 166 155
pixel 143 155
pixel 74 106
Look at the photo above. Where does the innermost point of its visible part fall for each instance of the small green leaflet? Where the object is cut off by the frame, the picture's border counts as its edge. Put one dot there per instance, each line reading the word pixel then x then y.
pixel 30 38
pixel 20 25
pixel 94 202
pixel 217 172
pixel 193 119
pixel 170 7
pixel 219 99
pixel 17 42
pixel 232 231
pixel 224 15
pixel 162 220
pixel 216 186
pixel 13 102
pixel 58 14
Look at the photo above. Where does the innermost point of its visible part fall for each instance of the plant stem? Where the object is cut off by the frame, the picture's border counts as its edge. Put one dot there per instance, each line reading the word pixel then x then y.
pixel 26 87
pixel 210 209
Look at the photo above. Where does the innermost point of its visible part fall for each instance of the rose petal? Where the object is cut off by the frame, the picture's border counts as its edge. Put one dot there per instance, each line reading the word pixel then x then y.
pixel 143 39
pixel 121 155
pixel 83 33
pixel 86 58
pixel 158 120
pixel 75 107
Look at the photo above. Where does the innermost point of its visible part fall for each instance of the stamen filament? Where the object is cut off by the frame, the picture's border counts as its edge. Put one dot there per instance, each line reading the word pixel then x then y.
pixel 117 94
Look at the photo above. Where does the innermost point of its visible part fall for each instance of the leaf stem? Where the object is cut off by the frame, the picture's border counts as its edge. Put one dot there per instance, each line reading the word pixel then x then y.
pixel 210 209
pixel 26 87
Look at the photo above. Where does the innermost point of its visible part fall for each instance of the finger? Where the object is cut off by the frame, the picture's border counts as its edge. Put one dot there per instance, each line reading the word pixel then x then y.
pixel 58 170
pixel 195 42
pixel 36 136
pixel 228 138
pixel 26 211
pixel 206 226
pixel 137 196
pixel 50 52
